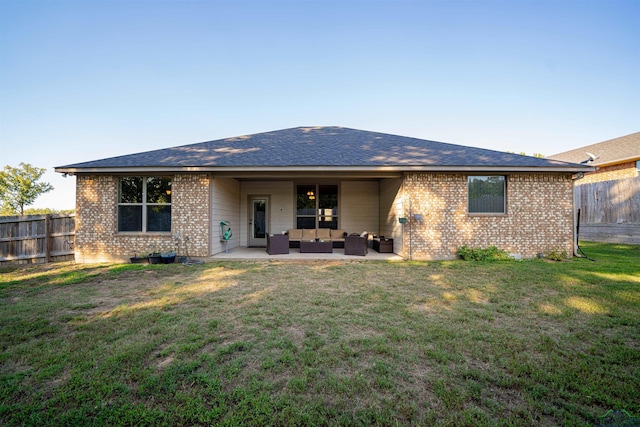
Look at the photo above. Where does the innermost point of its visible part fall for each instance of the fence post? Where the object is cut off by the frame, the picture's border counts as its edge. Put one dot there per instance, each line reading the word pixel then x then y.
pixel 47 238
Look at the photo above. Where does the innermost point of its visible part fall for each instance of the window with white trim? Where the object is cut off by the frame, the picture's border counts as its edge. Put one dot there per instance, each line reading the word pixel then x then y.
pixel 144 204
pixel 487 194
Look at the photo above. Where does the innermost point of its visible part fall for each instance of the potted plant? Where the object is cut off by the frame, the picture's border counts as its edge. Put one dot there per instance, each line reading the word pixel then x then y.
pixel 155 257
pixel 135 259
pixel 168 257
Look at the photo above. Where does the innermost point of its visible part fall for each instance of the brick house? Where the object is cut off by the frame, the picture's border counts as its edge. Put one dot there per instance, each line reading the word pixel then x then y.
pixel 323 177
pixel 617 158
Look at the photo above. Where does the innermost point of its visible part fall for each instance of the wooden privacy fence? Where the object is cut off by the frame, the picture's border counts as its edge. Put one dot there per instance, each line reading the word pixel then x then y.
pixel 37 238
pixel 609 210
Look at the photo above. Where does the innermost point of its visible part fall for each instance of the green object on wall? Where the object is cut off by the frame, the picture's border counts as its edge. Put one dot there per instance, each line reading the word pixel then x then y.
pixel 225 230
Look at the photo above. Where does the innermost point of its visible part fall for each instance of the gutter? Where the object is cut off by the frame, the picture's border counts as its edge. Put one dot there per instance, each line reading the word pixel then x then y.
pixel 306 169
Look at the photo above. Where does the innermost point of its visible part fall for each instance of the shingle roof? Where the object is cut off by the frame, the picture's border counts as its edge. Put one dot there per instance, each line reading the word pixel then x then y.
pixel 611 151
pixel 331 147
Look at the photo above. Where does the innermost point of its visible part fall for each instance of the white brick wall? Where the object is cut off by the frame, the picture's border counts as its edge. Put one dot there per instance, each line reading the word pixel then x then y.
pixel 539 216
pixel 97 239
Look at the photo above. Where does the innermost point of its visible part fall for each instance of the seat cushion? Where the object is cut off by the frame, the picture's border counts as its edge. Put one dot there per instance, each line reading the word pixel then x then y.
pixel 323 233
pixel 308 234
pixel 295 234
pixel 337 234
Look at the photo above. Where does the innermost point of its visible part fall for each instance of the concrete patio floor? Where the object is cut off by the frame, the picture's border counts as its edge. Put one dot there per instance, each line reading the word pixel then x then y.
pixel 245 253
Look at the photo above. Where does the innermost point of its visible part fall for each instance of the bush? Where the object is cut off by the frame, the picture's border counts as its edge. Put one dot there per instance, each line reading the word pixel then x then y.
pixel 492 253
pixel 557 255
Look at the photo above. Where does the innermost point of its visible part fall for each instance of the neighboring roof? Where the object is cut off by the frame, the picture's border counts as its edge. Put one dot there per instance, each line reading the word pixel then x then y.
pixel 320 148
pixel 617 150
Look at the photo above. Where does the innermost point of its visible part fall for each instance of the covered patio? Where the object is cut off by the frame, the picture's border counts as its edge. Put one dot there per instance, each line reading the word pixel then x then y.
pixel 257 206
pixel 245 253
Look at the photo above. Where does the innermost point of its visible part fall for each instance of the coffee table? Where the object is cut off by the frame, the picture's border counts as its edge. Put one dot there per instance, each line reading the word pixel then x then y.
pixel 316 247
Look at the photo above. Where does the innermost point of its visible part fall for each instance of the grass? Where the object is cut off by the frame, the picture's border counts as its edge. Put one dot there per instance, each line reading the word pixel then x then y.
pixel 322 343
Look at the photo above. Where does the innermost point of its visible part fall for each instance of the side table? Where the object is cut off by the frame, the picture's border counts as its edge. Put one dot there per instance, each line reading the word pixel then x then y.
pixel 383 245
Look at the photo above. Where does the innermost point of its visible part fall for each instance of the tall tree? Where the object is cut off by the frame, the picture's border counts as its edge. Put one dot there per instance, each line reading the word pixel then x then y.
pixel 19 187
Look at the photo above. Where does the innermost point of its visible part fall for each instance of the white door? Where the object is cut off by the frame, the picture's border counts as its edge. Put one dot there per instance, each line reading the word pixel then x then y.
pixel 258 220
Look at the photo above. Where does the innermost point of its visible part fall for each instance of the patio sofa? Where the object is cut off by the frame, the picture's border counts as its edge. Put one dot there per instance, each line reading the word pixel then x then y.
pixel 296 235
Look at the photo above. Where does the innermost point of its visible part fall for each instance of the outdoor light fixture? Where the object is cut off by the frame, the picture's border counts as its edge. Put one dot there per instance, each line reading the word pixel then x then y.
pixel 168 192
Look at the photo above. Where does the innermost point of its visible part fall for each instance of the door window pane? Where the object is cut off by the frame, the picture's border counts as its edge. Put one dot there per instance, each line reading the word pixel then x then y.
pixel 259 219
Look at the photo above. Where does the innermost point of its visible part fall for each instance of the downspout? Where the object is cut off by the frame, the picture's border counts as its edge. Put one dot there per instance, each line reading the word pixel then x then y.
pixel 409 219
pixel 404 251
pixel 576 225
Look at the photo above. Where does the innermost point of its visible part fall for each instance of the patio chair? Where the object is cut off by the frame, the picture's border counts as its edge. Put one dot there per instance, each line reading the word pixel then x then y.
pixel 277 244
pixel 356 244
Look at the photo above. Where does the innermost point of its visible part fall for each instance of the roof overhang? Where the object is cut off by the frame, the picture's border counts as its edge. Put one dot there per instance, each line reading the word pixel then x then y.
pixel 378 171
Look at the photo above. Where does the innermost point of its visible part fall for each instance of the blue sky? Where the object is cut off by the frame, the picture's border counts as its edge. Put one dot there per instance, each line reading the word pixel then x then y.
pixel 83 80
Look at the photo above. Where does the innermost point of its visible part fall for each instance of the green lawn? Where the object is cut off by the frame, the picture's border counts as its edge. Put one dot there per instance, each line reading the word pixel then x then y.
pixel 322 343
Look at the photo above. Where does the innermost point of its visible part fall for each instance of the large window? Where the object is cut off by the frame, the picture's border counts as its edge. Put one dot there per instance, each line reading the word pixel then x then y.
pixel 144 204
pixel 487 194
pixel 317 206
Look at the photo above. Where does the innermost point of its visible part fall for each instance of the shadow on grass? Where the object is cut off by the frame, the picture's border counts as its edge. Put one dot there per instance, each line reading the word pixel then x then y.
pixel 33 279
pixel 450 343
